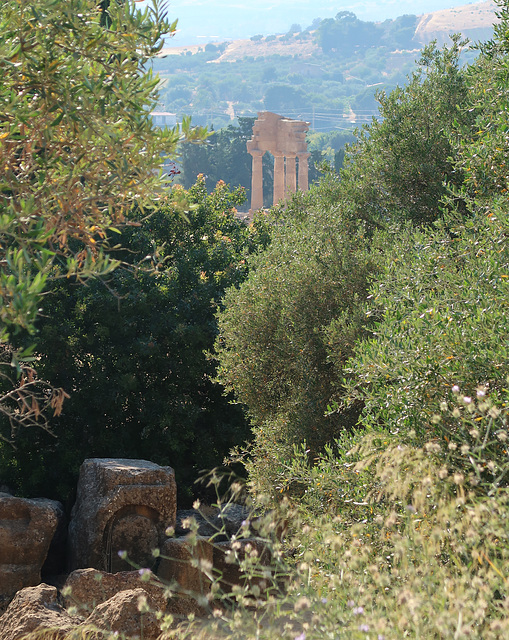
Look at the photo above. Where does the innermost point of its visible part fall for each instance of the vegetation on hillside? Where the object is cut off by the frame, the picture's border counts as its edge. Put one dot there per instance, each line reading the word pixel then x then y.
pixel 341 76
pixel 364 329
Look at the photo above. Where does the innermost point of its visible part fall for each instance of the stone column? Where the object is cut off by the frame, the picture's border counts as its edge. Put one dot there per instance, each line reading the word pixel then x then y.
pixel 303 171
pixel 291 176
pixel 257 180
pixel 279 176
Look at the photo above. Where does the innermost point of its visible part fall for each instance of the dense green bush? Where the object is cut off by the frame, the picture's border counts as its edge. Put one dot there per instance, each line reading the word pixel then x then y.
pixel 401 166
pixel 443 298
pixel 274 339
pixel 131 351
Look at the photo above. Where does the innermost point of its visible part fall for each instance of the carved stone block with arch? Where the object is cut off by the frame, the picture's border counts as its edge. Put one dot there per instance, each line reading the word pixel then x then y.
pixel 121 505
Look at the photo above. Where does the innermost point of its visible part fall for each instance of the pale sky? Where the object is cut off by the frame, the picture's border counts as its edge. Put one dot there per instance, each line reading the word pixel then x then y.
pixel 202 21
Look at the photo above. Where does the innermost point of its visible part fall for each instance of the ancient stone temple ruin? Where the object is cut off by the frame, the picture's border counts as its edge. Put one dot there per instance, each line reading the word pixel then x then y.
pixel 121 505
pixel 285 139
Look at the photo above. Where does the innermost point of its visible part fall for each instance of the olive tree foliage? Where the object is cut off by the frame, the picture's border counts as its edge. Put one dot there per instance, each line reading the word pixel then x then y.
pixel 77 152
pixel 304 297
pixel 483 143
pixel 402 165
pixel 289 331
pixel 442 294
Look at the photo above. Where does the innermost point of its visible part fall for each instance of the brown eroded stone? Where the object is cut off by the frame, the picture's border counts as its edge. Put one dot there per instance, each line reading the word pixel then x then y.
pixel 121 505
pixel 87 588
pixel 228 556
pixel 35 609
pixel 178 556
pixel 26 530
pixel 122 613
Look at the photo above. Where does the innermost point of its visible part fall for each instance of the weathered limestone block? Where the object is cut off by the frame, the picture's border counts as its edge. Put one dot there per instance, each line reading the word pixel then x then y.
pixel 35 609
pixel 227 558
pixel 85 589
pixel 26 530
pixel 181 562
pixel 122 614
pixel 121 505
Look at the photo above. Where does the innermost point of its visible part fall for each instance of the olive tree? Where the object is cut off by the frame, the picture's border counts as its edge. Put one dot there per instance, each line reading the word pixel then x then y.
pixel 77 153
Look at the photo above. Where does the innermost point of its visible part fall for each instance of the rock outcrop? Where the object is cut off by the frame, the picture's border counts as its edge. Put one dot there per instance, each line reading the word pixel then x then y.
pixel 36 609
pixel 122 505
pixel 129 612
pixel 85 589
pixel 27 528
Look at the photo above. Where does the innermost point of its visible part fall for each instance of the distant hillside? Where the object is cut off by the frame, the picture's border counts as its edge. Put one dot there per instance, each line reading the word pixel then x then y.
pixel 474 21
pixel 304 46
pixel 327 74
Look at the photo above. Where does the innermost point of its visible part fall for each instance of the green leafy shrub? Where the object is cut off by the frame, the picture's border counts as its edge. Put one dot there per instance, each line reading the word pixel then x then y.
pixel 400 165
pixel 131 352
pixel 274 342
pixel 443 298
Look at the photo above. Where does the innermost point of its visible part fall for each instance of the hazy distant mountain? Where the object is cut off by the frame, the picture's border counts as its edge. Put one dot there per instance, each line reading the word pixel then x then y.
pixel 202 21
pixel 474 21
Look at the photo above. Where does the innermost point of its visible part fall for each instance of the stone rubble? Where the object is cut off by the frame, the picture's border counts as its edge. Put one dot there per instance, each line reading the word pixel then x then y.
pixel 123 511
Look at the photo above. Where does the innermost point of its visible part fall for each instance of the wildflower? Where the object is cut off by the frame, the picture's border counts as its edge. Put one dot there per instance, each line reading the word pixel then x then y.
pixel 494 412
pixel 458 478
pixel 350 604
pixel 302 636
pixel 481 393
pixel 145 574
pixel 205 565
pixel 143 605
pixel 364 627
pixel 455 389
pixel 301 604
pixel 467 399
pixel 358 611
pixel 122 554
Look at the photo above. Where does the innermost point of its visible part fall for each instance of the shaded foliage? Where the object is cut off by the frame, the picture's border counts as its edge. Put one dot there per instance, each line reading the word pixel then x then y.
pixel 132 351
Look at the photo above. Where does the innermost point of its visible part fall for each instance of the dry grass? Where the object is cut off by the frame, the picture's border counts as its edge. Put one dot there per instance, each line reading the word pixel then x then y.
pixel 459 19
